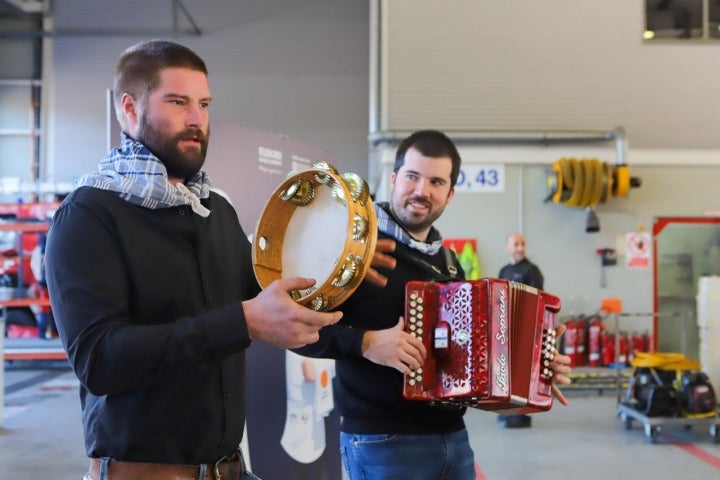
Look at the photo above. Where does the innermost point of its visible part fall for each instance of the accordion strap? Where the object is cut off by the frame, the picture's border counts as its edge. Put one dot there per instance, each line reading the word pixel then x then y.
pixel 450 262
pixel 437 274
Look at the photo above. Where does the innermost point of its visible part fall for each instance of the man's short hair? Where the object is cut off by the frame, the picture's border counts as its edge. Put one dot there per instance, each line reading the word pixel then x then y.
pixel 431 143
pixel 137 71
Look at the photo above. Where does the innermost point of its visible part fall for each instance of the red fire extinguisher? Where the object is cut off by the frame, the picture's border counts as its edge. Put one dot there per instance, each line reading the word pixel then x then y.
pixel 637 345
pixel 570 340
pixel 580 349
pixel 595 333
pixel 648 339
pixel 608 349
pixel 624 346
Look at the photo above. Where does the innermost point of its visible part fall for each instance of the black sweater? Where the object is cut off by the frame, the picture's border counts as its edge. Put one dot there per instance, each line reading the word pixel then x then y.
pixel 523 272
pixel 147 303
pixel 368 395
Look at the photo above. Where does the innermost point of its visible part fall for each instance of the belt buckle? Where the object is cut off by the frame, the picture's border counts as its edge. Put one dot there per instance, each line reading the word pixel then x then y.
pixel 216 468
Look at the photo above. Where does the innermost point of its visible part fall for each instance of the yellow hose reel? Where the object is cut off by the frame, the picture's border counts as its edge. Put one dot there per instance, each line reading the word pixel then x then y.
pixel 587 182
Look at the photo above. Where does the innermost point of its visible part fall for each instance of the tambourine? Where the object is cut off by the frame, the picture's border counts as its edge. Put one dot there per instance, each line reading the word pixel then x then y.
pixel 317 224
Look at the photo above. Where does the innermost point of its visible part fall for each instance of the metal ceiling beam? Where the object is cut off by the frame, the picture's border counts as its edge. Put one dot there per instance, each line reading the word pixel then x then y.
pixel 29 6
pixel 178 7
pixel 42 7
pixel 100 32
pixel 543 138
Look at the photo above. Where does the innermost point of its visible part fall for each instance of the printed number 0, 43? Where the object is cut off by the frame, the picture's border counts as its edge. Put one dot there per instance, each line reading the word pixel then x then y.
pixel 481 178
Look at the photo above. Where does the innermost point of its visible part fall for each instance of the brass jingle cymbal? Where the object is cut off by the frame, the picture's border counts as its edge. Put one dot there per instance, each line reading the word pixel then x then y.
pixel 349 272
pixel 361 228
pixel 358 187
pixel 325 178
pixel 304 194
pixel 291 190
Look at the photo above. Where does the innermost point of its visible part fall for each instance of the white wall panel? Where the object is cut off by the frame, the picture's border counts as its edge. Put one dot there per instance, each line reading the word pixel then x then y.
pixel 547 65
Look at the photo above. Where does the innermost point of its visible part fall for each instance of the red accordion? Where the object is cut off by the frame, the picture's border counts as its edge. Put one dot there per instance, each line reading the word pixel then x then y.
pixel 489 342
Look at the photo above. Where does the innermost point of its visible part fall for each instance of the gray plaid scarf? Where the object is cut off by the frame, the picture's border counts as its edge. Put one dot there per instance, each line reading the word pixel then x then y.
pixel 141 178
pixel 389 226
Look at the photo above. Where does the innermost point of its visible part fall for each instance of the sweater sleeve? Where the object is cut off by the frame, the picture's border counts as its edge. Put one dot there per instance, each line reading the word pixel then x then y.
pixel 336 341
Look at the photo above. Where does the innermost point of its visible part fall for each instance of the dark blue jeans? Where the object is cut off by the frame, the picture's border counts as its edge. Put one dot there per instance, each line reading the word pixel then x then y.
pixel 408 457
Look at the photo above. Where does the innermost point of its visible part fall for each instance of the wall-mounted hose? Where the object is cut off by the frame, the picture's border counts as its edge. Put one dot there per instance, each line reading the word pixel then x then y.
pixel 587 182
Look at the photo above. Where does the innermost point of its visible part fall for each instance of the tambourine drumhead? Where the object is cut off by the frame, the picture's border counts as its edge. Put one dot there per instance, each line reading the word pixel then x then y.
pixel 321 225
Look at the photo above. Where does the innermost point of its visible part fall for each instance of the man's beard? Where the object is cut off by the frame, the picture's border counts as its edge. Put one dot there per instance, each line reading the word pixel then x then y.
pixel 178 163
pixel 408 220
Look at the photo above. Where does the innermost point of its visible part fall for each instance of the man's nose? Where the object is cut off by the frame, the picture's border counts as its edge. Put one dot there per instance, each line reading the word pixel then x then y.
pixel 421 188
pixel 195 116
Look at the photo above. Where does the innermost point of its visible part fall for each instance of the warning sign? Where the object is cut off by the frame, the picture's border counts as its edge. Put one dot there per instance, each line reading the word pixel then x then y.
pixel 637 249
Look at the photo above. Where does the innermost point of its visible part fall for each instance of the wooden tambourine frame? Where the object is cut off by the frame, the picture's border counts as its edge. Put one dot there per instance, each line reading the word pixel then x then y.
pixel 317 224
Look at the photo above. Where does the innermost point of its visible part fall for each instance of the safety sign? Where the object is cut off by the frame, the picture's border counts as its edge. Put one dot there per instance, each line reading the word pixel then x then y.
pixel 637 249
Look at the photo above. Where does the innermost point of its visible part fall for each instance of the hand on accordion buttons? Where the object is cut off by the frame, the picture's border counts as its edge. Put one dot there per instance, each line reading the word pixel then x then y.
pixel 394 347
pixel 381 259
pixel 560 366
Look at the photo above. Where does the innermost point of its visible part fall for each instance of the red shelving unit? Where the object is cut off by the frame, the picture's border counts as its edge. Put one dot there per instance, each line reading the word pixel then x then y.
pixel 28 348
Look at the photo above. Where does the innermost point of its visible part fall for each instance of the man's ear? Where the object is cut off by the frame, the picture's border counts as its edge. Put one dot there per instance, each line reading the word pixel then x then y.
pixel 451 194
pixel 130 110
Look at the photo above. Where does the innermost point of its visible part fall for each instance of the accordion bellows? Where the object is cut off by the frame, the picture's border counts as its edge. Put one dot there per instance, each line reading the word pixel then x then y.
pixel 489 342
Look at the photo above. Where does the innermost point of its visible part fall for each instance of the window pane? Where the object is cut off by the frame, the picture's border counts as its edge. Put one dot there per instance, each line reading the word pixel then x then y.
pixel 668 19
pixel 714 19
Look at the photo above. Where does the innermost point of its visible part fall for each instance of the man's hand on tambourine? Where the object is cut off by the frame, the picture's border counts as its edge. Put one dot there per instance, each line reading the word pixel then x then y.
pixel 275 318
pixel 381 259
pixel 560 366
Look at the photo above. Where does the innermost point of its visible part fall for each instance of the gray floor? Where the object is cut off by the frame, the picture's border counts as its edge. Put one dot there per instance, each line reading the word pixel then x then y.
pixel 40 437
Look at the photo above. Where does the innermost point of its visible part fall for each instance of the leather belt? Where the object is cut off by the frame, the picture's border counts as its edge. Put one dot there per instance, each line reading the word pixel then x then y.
pixel 227 468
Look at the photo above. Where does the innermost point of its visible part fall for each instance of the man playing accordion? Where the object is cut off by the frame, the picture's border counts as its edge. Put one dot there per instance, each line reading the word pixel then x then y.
pixel 384 435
